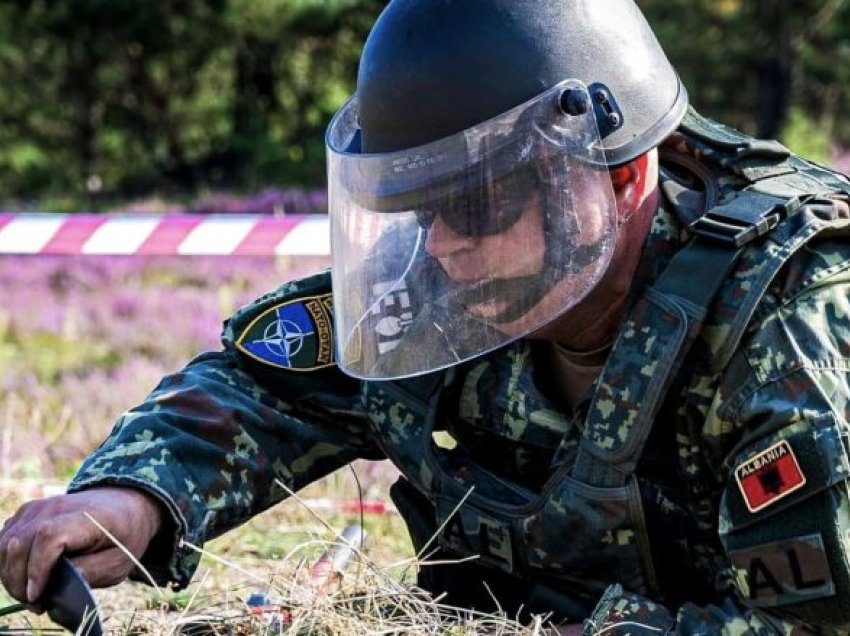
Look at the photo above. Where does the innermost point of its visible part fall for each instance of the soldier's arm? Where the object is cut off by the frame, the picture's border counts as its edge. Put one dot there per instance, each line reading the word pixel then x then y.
pixel 784 514
pixel 214 442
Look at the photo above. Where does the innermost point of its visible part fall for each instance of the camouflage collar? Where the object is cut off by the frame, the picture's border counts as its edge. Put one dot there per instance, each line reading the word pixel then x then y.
pixel 666 236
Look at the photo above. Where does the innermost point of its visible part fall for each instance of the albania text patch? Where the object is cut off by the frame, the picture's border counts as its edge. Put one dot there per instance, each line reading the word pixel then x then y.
pixel 769 476
pixel 296 335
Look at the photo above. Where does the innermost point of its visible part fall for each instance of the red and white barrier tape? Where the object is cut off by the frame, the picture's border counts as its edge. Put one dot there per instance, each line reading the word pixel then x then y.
pixel 164 235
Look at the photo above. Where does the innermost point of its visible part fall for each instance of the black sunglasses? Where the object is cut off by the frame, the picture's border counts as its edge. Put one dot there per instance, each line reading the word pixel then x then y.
pixel 479 211
pixel 474 223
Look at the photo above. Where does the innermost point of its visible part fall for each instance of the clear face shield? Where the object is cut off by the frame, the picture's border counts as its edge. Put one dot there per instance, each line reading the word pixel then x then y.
pixel 446 251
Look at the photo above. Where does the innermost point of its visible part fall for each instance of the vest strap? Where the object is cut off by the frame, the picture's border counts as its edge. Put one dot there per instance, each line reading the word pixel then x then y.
pixel 659 332
pixel 648 352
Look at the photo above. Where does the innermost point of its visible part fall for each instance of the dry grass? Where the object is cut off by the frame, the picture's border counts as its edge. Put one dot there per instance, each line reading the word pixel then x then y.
pixel 273 555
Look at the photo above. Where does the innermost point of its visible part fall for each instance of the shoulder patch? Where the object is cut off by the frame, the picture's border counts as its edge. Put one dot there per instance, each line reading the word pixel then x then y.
pixel 296 335
pixel 769 476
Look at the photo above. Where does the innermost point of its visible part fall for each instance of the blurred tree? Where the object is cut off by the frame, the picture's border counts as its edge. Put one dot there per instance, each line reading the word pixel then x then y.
pixel 114 98
pixel 295 62
pixel 101 87
pixel 755 63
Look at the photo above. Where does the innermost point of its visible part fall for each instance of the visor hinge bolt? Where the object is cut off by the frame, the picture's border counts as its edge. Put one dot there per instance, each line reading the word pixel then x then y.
pixel 613 120
pixel 574 102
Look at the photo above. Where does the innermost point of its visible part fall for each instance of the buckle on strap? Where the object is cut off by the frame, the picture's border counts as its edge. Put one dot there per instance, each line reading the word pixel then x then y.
pixel 744 219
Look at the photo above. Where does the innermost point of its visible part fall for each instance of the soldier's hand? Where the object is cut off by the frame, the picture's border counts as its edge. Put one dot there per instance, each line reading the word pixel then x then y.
pixel 40 531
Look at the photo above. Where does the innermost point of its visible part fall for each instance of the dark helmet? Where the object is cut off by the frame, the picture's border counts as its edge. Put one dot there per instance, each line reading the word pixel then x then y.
pixel 469 191
pixel 432 68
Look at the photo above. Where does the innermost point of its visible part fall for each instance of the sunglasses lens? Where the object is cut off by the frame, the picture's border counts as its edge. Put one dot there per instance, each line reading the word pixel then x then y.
pixel 499 218
pixel 425 218
pixel 473 216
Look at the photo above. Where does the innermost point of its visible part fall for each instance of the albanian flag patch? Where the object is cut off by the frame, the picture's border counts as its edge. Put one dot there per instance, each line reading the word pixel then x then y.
pixel 769 476
pixel 296 335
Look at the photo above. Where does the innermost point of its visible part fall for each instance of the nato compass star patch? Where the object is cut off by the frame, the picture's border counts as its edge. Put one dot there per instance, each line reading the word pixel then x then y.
pixel 295 335
pixel 769 476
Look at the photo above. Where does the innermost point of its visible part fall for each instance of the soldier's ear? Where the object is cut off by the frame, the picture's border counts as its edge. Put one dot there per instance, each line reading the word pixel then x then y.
pixel 631 184
pixel 620 177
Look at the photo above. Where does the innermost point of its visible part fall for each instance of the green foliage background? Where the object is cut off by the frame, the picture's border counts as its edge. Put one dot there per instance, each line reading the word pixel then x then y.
pixel 109 99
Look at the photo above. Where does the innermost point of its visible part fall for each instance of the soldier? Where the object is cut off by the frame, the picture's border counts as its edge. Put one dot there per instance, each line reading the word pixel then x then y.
pixel 633 321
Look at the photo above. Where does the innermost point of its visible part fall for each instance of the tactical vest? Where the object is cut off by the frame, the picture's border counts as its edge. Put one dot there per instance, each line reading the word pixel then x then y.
pixel 586 528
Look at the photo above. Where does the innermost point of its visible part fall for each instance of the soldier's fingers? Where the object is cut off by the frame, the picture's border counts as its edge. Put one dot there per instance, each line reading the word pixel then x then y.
pixel 73 533
pixel 50 540
pixel 9 526
pixel 4 539
pixel 24 514
pixel 16 554
pixel 17 526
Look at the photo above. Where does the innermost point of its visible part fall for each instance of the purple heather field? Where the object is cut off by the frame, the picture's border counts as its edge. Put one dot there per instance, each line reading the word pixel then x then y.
pixel 268 201
pixel 84 338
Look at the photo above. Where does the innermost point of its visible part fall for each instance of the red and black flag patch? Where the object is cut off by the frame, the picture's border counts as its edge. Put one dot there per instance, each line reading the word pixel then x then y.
pixel 769 476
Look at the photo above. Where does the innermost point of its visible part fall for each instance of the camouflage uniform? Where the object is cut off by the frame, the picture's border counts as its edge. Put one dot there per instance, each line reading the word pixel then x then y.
pixel 725 510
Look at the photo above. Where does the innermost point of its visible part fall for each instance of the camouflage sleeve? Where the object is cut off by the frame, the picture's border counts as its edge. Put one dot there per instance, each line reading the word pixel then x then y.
pixel 623 613
pixel 778 433
pixel 215 441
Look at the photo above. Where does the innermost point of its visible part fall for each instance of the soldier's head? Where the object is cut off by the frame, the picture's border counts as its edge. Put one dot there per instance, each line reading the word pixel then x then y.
pixel 470 177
